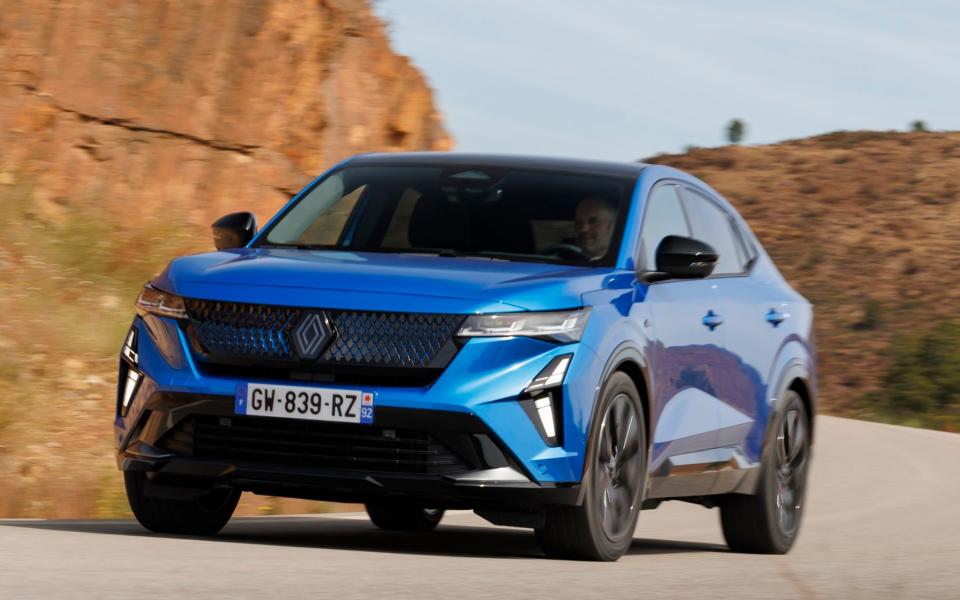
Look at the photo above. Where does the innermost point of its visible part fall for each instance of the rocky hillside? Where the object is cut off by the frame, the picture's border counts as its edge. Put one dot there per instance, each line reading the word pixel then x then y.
pixel 126 128
pixel 195 108
pixel 864 224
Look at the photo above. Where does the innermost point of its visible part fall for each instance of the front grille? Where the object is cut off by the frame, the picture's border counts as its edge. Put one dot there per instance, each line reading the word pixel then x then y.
pixel 384 339
pixel 292 443
pixel 232 329
pixel 389 339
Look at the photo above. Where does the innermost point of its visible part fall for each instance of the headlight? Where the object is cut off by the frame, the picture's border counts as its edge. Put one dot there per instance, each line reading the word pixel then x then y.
pixel 561 326
pixel 158 302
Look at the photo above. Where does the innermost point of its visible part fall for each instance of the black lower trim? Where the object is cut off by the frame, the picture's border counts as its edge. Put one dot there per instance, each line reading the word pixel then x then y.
pixel 289 442
pixel 353 487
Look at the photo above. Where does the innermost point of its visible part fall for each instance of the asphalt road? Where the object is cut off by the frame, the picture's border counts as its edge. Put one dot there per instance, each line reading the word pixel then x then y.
pixel 883 521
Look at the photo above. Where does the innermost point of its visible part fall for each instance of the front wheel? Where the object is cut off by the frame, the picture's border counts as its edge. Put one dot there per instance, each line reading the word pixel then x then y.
pixel 602 527
pixel 205 515
pixel 768 522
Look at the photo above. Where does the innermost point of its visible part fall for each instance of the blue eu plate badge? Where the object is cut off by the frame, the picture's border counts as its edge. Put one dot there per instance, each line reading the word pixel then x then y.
pixel 240 402
pixel 366 408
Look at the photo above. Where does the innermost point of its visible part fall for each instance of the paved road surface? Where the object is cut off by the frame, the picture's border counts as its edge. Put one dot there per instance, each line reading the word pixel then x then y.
pixel 883 521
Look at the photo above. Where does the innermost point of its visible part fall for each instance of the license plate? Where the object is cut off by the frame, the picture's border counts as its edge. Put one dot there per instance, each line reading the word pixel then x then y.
pixel 301 402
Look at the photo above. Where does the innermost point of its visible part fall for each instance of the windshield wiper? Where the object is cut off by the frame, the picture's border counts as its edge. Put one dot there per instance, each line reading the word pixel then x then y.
pixel 444 252
pixel 297 246
pixel 451 253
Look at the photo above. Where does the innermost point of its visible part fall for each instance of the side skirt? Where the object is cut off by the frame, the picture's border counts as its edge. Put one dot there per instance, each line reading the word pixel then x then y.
pixel 702 473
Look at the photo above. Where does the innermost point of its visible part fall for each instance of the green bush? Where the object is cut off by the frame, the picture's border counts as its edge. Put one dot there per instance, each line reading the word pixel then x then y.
pixel 922 385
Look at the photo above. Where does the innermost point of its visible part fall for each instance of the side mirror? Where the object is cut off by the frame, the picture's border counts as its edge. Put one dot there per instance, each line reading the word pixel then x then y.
pixel 234 230
pixel 685 258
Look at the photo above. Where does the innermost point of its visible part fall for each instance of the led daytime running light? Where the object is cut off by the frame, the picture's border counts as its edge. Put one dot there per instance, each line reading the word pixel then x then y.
pixel 561 326
pixel 164 304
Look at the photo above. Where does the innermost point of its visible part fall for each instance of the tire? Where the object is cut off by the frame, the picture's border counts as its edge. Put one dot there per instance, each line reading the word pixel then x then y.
pixel 403 517
pixel 602 527
pixel 203 516
pixel 768 522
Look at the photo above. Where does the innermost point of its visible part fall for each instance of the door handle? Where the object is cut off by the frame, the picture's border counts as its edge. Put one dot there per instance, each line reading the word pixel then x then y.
pixel 774 317
pixel 712 320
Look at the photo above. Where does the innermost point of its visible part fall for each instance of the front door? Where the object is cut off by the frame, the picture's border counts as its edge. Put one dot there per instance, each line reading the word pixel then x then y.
pixel 686 361
pixel 750 344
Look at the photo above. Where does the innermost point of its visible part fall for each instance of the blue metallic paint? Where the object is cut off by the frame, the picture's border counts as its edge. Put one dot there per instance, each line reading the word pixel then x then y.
pixel 362 281
pixel 734 374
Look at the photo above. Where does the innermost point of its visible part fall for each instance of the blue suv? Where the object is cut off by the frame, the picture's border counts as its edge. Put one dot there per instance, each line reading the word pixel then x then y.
pixel 553 344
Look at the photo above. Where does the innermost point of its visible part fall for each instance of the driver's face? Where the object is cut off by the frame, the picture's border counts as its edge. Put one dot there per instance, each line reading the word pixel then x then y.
pixel 593 223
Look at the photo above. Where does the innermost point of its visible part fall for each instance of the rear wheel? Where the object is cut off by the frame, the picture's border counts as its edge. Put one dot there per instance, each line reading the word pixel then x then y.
pixel 205 515
pixel 768 522
pixel 403 517
pixel 602 527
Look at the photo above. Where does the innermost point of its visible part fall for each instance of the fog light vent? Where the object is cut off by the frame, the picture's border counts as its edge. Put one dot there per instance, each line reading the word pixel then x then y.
pixel 545 412
pixel 130 387
pixel 551 375
pixel 130 375
pixel 129 350
pixel 542 400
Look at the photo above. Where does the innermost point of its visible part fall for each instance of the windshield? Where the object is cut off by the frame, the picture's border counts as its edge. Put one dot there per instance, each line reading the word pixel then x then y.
pixel 510 214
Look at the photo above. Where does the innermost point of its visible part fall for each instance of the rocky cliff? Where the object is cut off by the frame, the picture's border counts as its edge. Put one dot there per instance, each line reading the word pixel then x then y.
pixel 192 109
pixel 126 128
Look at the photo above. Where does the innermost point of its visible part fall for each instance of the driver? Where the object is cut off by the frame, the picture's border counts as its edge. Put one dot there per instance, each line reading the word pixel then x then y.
pixel 593 222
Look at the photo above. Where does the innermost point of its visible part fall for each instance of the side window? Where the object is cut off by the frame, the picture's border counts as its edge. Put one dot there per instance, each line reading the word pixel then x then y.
pixel 663 217
pixel 712 224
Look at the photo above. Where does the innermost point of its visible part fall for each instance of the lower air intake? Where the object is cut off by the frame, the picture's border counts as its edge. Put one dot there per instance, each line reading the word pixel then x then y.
pixel 279 442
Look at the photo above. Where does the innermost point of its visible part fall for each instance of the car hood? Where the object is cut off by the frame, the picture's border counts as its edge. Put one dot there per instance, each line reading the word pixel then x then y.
pixel 378 281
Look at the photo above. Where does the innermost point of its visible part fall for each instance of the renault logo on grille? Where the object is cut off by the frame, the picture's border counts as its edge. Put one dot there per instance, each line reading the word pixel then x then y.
pixel 311 335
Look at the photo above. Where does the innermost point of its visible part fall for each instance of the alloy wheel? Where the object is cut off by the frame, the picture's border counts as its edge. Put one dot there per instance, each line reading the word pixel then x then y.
pixel 792 442
pixel 618 468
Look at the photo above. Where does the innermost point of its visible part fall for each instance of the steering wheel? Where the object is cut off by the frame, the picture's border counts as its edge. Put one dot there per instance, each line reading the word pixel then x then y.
pixel 567 251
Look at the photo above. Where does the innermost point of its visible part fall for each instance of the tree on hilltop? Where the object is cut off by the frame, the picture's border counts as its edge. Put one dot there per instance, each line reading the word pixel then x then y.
pixel 736 130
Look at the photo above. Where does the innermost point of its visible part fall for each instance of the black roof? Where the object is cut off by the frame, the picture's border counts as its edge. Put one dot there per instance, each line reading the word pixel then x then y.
pixel 466 159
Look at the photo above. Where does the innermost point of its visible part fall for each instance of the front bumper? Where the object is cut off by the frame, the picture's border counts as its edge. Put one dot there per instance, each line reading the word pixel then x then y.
pixel 472 408
pixel 187 442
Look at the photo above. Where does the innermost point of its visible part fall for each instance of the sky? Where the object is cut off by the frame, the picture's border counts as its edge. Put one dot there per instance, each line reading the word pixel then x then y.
pixel 626 79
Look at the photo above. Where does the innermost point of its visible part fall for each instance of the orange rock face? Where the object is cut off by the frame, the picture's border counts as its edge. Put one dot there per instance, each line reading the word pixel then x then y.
pixel 194 109
pixel 126 128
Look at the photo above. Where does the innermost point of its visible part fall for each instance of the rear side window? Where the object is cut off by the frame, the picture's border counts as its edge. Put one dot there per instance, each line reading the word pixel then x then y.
pixel 712 224
pixel 664 216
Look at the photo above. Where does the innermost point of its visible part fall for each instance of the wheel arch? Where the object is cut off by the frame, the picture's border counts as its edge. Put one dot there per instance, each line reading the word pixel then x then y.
pixel 639 378
pixel 794 373
pixel 628 359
